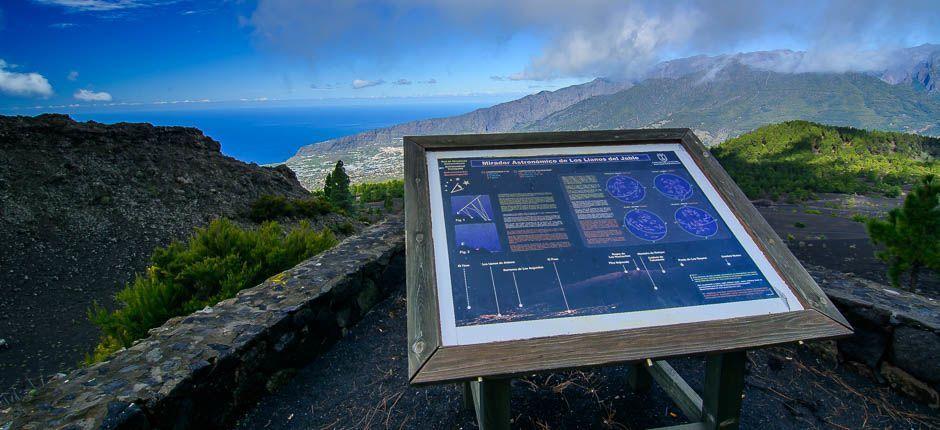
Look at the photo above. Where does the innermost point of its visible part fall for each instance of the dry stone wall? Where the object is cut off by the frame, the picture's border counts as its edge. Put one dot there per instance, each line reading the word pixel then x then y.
pixel 897 334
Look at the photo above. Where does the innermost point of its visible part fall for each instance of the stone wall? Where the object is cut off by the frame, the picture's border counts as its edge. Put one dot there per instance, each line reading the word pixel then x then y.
pixel 897 334
pixel 200 370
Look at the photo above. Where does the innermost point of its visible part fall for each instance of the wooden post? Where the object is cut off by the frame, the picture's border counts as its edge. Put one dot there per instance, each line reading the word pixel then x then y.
pixel 467 396
pixel 724 388
pixel 491 403
pixel 639 378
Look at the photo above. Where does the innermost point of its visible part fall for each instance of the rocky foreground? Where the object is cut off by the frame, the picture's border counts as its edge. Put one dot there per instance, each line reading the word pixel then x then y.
pixel 82 206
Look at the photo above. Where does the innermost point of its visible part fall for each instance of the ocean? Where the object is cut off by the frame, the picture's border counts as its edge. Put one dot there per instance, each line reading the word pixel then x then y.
pixel 270 134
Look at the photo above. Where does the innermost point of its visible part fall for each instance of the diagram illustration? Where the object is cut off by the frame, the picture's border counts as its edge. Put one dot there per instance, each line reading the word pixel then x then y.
pixel 475 208
pixel 645 225
pixel 672 186
pixel 696 221
pixel 625 189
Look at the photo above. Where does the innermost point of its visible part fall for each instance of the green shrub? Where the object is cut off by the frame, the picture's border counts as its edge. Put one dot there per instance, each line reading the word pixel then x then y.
pixel 799 225
pixel 345 228
pixel 379 191
pixel 859 218
pixel 813 211
pixel 269 208
pixel 216 262
pixel 892 191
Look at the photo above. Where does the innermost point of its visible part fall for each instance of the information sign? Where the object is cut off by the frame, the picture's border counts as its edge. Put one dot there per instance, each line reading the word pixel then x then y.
pixel 575 240
pixel 549 250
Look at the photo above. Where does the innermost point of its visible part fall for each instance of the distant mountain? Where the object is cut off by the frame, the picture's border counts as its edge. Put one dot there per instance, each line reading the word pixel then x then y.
pixel 724 103
pixel 377 154
pixel 718 96
pixel 798 158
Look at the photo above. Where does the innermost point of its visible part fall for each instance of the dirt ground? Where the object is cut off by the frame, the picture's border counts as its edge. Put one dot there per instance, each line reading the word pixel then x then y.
pixel 362 383
pixel 822 232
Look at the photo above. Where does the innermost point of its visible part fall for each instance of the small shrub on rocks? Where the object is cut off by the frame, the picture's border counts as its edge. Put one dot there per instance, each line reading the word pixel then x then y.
pixel 216 263
pixel 269 208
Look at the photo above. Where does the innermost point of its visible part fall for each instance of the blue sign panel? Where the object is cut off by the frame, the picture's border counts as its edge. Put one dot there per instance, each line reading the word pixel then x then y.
pixel 535 238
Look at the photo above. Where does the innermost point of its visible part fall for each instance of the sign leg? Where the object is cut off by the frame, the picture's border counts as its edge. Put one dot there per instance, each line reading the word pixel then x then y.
pixel 639 378
pixel 467 396
pixel 724 387
pixel 491 403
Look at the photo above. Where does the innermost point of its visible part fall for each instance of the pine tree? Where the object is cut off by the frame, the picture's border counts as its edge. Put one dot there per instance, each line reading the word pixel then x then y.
pixel 336 187
pixel 911 233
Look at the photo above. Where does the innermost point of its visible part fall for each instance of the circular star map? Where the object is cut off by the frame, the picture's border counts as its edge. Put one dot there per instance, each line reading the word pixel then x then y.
pixel 673 186
pixel 645 225
pixel 696 221
pixel 625 189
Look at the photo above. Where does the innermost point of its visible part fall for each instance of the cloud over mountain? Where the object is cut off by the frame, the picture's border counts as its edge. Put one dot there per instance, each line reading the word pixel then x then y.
pixel 604 37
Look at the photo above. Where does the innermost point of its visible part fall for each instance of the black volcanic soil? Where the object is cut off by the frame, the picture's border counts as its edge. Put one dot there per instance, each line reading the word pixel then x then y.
pixel 361 383
pixel 82 206
pixel 830 238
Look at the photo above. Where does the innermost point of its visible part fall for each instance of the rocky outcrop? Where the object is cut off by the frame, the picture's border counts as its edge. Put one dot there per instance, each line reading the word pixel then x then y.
pixel 82 206
pixel 897 334
pixel 200 370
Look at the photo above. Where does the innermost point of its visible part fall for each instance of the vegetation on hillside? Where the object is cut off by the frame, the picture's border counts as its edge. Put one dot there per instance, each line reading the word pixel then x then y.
pixel 911 234
pixel 796 159
pixel 269 207
pixel 379 191
pixel 223 258
pixel 736 98
pixel 213 265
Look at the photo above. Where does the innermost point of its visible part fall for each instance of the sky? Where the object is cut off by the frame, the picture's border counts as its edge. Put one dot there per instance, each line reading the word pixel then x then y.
pixel 56 53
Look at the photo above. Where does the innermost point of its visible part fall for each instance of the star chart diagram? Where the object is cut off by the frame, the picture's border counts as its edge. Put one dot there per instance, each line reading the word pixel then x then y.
pixel 518 241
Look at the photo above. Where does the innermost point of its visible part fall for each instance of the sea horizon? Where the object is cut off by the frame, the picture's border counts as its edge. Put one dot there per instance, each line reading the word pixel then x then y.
pixel 272 132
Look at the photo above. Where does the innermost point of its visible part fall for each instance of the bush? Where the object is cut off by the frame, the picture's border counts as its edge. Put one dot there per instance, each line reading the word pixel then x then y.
pixel 379 191
pixel 268 208
pixel 799 225
pixel 813 211
pixel 859 218
pixel 345 228
pixel 216 262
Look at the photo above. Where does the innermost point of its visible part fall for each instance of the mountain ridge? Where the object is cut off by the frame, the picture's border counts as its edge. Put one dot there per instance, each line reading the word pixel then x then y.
pixel 377 154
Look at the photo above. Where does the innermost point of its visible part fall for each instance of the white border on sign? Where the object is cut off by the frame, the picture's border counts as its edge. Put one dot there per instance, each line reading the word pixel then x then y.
pixel 516 330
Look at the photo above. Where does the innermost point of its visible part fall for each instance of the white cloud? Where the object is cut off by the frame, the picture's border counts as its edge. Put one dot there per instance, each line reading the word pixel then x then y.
pixel 73 76
pixel 91 96
pixel 589 38
pixel 104 5
pixel 402 81
pixel 358 84
pixel 23 84
pixel 431 81
pixel 62 25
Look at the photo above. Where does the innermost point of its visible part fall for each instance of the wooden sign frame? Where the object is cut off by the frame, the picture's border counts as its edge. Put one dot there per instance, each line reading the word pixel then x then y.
pixel 429 361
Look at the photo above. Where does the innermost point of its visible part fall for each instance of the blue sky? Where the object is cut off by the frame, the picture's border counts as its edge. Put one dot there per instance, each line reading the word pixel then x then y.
pixel 88 52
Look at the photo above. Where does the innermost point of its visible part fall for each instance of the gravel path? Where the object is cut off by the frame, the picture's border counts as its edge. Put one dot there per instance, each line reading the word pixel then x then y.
pixel 362 383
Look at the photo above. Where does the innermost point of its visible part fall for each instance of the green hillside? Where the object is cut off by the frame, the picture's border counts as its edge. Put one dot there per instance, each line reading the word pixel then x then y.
pixel 798 158
pixel 738 99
